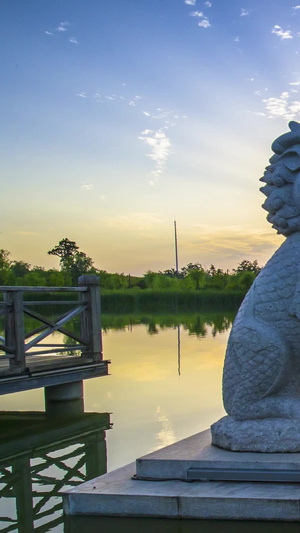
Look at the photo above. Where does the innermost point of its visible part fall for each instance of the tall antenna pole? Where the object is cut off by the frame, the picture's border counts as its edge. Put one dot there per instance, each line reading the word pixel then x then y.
pixel 176 250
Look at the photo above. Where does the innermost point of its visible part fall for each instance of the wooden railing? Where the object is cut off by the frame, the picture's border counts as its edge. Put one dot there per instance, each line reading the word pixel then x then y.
pixel 17 344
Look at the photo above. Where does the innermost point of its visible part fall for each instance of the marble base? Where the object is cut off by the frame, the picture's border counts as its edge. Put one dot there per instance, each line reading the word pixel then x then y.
pixel 270 435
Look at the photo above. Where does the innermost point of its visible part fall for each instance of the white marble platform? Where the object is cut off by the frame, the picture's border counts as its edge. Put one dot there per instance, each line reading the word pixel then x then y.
pixel 117 494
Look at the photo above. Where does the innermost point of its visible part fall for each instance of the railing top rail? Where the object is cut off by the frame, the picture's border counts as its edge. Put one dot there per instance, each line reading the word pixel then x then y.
pixel 6 288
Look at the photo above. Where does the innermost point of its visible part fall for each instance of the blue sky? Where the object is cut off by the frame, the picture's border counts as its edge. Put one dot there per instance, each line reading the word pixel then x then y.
pixel 118 116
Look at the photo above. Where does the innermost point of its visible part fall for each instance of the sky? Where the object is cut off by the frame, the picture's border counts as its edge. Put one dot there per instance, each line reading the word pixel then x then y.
pixel 118 116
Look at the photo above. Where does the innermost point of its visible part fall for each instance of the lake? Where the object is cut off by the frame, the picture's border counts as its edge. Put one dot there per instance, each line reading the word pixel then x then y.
pixel 165 385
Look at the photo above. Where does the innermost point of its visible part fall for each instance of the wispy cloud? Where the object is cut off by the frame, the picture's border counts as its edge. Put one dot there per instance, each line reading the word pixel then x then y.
pixel 244 12
pixel 49 32
pixel 73 40
pixel 136 220
pixel 102 197
pixel 160 146
pixel 63 26
pixel 296 7
pixel 208 3
pixel 82 95
pixel 196 14
pixel 87 186
pixel 277 30
pixel 282 107
pixel 190 2
pixel 294 83
pixel 237 39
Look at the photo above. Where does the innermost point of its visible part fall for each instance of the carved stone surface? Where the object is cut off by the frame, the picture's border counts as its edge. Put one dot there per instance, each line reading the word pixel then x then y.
pixel 261 378
pixel 269 435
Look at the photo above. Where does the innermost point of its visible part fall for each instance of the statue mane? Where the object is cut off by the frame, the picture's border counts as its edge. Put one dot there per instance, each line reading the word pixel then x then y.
pixel 282 179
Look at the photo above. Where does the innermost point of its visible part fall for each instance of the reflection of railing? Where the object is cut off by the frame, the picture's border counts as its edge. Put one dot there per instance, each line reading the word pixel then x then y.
pixel 70 451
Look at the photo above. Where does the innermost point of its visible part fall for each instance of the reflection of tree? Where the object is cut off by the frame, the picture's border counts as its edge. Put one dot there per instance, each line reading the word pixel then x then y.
pixel 194 323
pixel 39 457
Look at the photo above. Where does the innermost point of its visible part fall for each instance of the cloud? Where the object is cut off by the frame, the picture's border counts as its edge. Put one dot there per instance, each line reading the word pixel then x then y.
pixel 87 186
pixel 294 83
pixel 296 7
pixel 190 2
pixel 282 107
pixel 73 40
pixel 25 233
pixel 277 30
pixel 102 197
pixel 204 23
pixel 146 113
pixel 208 3
pixel 82 95
pixel 63 26
pixel 244 12
pixel 49 32
pixel 237 39
pixel 136 220
pixel 196 14
pixel 231 243
pixel 160 150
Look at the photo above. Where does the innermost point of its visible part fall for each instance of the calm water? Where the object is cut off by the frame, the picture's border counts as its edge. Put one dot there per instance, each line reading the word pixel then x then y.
pixel 165 385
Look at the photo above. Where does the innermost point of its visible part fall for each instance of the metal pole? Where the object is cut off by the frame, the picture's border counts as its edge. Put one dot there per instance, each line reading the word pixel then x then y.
pixel 176 250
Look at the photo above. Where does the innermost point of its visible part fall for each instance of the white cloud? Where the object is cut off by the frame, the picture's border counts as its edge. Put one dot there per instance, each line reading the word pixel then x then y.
pixel 132 103
pixel 160 146
pixel 296 7
pixel 82 95
pixel 73 40
pixel 196 14
pixel 244 12
pixel 294 83
pixel 63 26
pixel 237 39
pixel 282 107
pixel 146 113
pixel 277 30
pixel 87 186
pixel 190 2
pixel 208 3
pixel 102 197
pixel 49 32
pixel 204 23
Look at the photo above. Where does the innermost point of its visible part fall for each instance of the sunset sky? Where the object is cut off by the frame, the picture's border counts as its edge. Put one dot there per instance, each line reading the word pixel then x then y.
pixel 119 115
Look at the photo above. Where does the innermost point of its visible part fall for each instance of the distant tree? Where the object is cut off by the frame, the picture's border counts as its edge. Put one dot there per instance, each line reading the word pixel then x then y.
pixel 71 259
pixel 247 266
pixel 20 268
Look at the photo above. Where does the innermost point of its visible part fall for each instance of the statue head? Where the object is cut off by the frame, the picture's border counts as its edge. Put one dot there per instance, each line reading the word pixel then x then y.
pixel 282 179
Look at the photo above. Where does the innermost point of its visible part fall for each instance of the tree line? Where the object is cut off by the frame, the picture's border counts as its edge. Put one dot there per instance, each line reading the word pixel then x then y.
pixel 73 263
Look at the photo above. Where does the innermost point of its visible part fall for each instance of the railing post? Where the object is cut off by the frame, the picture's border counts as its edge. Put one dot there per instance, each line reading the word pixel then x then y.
pixel 91 318
pixel 14 329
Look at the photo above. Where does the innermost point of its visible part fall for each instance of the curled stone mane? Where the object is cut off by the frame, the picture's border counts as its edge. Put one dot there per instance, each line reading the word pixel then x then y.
pixel 282 179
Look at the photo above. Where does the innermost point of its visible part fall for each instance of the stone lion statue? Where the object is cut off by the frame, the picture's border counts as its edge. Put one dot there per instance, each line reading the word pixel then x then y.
pixel 261 377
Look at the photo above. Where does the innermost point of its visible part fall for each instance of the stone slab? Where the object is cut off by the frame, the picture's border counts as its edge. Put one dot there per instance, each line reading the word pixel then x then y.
pixel 116 494
pixel 119 493
pixel 173 462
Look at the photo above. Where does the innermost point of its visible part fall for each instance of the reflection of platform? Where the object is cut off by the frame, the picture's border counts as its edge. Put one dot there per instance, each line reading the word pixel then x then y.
pixel 39 455
pixel 118 495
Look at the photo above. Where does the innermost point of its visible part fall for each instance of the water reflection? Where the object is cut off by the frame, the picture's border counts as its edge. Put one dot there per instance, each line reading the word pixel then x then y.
pixel 40 456
pixel 199 324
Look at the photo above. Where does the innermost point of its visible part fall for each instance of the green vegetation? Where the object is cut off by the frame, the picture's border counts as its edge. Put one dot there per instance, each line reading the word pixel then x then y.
pixel 192 288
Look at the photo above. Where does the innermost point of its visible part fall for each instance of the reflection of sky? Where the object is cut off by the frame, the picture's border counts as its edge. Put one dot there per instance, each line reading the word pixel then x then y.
pixel 151 405
pixel 116 116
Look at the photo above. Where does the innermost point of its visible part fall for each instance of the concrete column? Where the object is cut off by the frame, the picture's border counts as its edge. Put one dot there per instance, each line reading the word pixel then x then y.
pixel 65 399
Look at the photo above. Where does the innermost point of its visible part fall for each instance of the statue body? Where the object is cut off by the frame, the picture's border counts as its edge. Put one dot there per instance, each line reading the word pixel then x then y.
pixel 261 377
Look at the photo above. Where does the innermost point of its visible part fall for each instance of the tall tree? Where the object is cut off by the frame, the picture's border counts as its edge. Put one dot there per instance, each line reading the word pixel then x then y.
pixel 71 260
